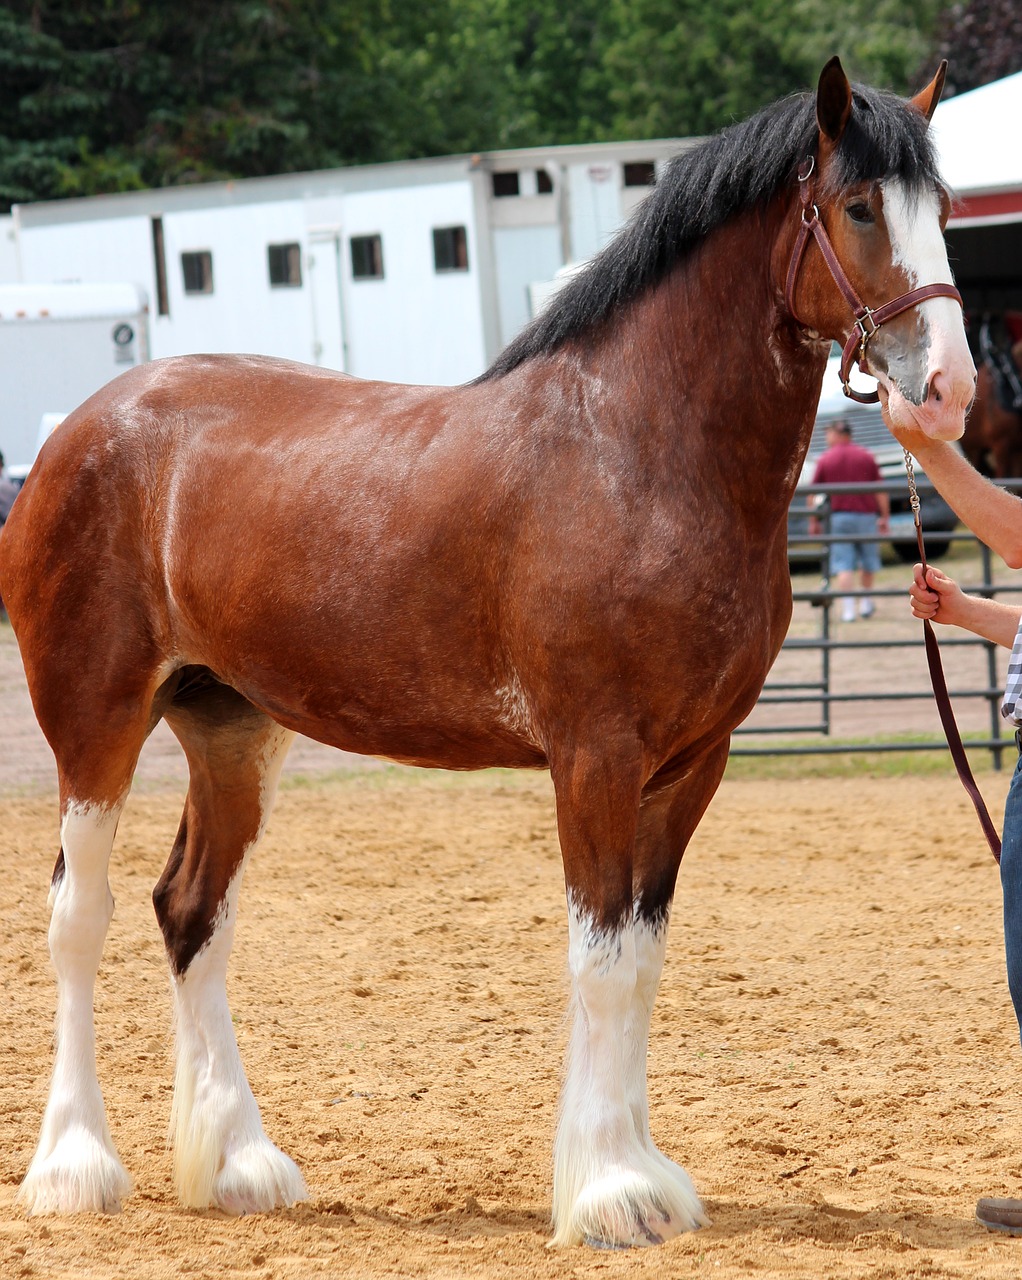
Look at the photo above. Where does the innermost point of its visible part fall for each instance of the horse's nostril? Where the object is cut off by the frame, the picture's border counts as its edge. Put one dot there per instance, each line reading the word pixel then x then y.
pixel 935 388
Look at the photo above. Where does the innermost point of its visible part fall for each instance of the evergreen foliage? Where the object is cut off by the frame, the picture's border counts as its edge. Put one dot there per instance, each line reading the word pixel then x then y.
pixel 110 95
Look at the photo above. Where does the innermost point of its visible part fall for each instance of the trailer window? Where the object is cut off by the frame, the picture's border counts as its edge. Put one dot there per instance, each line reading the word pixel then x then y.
pixel 450 249
pixel 367 257
pixel 506 183
pixel 642 173
pixel 285 265
pixel 197 268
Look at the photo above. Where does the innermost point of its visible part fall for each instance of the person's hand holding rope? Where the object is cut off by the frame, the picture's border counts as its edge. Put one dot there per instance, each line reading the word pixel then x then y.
pixel 936 597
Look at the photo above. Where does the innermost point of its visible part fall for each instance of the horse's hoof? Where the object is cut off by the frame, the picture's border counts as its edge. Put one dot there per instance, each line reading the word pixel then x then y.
pixel 627 1211
pixel 649 1228
pixel 1002 1215
pixel 258 1178
pixel 80 1175
pixel 591 1242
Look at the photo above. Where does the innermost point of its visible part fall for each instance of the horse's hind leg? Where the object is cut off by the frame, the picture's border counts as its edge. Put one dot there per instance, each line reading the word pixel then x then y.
pixel 75 1167
pixel 222 1156
pixel 611 1184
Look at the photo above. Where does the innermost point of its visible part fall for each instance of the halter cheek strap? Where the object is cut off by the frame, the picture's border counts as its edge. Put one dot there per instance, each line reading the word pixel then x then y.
pixel 867 319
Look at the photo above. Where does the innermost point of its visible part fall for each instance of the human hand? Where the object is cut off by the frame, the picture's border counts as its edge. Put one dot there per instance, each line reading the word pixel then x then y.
pixel 909 438
pixel 935 596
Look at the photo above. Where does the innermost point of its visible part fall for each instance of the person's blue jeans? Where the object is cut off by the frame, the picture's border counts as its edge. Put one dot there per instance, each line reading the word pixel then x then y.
pixel 1011 886
pixel 855 526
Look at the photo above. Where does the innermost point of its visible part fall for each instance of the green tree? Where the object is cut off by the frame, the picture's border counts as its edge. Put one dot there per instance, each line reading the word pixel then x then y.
pixel 982 41
pixel 690 67
pixel 120 93
pixel 36 136
pixel 105 95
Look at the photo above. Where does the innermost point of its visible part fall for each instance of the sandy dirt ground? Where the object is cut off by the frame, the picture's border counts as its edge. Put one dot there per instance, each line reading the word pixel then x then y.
pixel 834 1058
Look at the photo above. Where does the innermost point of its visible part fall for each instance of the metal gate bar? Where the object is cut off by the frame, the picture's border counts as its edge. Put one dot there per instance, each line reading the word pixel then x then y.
pixel 809 692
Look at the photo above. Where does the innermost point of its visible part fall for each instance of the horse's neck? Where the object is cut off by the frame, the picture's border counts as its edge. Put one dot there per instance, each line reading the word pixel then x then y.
pixel 732 381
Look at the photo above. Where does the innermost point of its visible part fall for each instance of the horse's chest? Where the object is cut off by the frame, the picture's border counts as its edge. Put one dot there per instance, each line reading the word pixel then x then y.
pixel 723 635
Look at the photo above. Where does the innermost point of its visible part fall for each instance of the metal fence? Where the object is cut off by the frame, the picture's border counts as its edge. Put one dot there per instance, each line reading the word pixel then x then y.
pixel 812 699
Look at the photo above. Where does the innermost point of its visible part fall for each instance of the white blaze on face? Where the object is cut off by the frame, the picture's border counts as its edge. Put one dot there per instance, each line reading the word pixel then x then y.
pixel 918 248
pixel 917 242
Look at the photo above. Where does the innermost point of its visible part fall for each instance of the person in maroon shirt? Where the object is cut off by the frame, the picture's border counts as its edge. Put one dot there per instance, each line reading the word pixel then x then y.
pixel 858 516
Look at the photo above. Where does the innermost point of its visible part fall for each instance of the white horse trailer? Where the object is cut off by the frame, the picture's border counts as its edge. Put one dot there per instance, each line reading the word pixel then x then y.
pixel 58 344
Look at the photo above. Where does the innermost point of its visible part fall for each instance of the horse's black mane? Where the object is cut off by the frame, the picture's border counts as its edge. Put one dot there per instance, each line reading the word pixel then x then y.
pixel 734 171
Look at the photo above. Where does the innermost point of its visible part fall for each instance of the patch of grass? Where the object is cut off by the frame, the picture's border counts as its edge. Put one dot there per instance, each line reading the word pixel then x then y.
pixel 874 757
pixel 880 756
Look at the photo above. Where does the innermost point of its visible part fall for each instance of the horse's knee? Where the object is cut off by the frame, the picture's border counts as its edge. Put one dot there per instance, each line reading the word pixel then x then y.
pixel 78 926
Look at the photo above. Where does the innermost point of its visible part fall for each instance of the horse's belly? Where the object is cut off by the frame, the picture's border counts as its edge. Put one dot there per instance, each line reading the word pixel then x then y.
pixel 431 747
pixel 472 730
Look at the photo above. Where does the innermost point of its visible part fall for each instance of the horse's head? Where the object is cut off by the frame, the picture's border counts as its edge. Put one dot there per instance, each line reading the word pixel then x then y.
pixel 875 206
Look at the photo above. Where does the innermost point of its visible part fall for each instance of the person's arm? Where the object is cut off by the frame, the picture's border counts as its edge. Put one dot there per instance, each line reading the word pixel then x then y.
pixel 993 514
pixel 941 599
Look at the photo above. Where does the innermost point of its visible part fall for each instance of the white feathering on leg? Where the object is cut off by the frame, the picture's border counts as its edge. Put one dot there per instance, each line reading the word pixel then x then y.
pixel 611 1185
pixel 222 1155
pixel 75 1168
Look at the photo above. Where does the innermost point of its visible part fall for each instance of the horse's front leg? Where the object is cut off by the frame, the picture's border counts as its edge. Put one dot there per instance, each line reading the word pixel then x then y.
pixel 612 1186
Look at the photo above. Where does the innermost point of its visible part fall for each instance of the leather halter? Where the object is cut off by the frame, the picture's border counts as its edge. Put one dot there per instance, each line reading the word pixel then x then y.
pixel 867 319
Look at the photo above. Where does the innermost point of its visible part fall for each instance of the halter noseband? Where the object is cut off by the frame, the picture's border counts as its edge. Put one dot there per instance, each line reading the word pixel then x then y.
pixel 867 320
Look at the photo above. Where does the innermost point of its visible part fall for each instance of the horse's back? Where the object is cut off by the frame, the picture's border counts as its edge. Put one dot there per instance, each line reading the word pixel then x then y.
pixel 218 425
pixel 95 519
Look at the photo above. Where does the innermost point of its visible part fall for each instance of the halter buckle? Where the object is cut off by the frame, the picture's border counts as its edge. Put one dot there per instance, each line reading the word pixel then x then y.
pixel 860 324
pixel 867 325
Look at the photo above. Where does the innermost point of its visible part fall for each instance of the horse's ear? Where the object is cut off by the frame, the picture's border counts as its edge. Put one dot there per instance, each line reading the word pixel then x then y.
pixel 926 99
pixel 833 100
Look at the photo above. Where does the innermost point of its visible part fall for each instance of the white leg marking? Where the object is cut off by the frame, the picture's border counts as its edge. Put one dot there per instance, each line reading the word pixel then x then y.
pixel 650 948
pixel 222 1155
pixel 75 1168
pixel 611 1185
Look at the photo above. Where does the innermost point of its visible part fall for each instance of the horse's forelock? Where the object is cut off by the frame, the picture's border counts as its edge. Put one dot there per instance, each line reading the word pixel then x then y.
pixel 886 138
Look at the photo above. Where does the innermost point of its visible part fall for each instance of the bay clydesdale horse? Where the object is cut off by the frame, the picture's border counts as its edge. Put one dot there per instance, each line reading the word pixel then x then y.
pixel 576 562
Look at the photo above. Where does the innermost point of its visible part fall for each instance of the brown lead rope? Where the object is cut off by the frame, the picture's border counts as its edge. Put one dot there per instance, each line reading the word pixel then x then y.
pixel 940 693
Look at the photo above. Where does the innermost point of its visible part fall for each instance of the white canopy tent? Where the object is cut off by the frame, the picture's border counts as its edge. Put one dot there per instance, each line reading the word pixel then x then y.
pixel 982 162
pixel 979 152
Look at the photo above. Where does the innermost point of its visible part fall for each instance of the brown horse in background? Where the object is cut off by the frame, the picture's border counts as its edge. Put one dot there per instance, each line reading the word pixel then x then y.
pixel 993 433
pixel 577 562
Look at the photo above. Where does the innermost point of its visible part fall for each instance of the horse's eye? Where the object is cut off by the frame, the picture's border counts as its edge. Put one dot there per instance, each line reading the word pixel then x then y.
pixel 860 212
